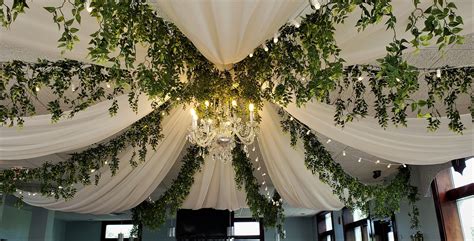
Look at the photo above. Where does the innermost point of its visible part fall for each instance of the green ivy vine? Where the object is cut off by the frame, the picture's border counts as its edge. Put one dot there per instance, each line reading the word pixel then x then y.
pixel 304 64
pixel 383 200
pixel 58 180
pixel 270 210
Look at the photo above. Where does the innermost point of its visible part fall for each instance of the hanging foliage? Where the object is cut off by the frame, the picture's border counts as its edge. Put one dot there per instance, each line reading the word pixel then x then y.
pixel 153 214
pixel 58 180
pixel 270 210
pixel 304 64
pixel 384 198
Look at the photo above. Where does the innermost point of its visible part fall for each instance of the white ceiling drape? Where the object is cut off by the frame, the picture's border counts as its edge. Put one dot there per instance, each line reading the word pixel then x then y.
pixel 413 144
pixel 297 185
pixel 130 186
pixel 225 32
pixel 215 187
pixel 39 137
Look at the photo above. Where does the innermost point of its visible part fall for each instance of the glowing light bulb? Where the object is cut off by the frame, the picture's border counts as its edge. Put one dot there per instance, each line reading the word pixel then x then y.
pixel 360 159
pixel 389 165
pixel 206 103
pixel 328 141
pixel 251 107
pixel 438 73
pixel 265 47
pixel 234 103
pixel 377 162
pixel 344 153
pixel 108 85
pixel 360 78
pixel 251 55
pixel 37 88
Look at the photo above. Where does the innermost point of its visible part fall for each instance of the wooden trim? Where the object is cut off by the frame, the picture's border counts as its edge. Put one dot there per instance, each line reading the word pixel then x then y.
pixel 460 192
pixel 446 210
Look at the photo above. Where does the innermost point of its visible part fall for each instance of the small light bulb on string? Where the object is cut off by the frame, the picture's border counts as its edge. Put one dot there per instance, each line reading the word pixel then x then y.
pixel 344 153
pixel 105 163
pixel 328 141
pixel 108 85
pixel 37 88
pixel 275 38
pixel 88 6
pixel 60 187
pixel 295 23
pixel 389 165
pixel 263 183
pixel 398 80
pixel 251 55
pixel 73 88
pixel 404 165
pixel 308 132
pixel 253 149
pixel 360 78
pixel 258 169
pixel 256 159
pixel 266 188
pixel 92 170
pixel 291 118
pixel 264 46
pixel 206 103
pixel 377 162
pixel 316 4
pixel 360 160
pixel 234 103
pixel 264 174
pixel 438 73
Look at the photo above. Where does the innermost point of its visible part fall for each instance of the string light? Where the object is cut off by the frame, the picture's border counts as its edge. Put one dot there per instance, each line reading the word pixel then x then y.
pixel 73 88
pixel 316 4
pixel 389 165
pixel 344 153
pixel 265 47
pixel 275 38
pixel 360 159
pixel 256 159
pixel 264 174
pixel 360 78
pixel 404 165
pixel 291 118
pixel 105 163
pixel 108 85
pixel 308 132
pixel 328 141
pixel 37 88
pixel 92 170
pixel 438 73
pixel 377 162
pixel 295 23
pixel 251 55
pixel 258 169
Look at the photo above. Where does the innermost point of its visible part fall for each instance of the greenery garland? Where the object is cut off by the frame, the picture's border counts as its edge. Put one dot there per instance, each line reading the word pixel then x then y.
pixel 152 214
pixel 58 180
pixel 304 63
pixel 385 198
pixel 270 210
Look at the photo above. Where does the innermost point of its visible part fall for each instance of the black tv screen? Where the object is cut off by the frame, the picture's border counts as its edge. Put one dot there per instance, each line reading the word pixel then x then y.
pixel 202 223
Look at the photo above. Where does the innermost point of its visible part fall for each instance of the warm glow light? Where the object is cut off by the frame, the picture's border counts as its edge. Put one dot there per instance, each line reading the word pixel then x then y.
pixel 206 103
pixel 234 103
pixel 251 107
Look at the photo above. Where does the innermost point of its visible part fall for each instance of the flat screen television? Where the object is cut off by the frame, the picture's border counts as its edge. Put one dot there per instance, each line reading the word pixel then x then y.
pixel 202 223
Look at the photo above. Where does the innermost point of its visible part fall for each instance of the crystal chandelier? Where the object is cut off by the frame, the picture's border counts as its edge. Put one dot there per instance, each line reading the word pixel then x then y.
pixel 218 131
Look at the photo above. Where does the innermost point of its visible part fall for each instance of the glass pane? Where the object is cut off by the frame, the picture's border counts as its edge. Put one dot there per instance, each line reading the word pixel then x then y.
pixel 390 236
pixel 113 230
pixel 328 238
pixel 246 228
pixel 358 215
pixel 467 177
pixel 328 221
pixel 358 233
pixel 466 214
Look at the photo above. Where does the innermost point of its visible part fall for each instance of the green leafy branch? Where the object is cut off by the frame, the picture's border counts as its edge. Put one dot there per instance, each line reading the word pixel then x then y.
pixel 382 199
pixel 58 180
pixel 270 210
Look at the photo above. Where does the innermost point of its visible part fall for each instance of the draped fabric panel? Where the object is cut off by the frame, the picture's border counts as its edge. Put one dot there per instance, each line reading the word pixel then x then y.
pixel 215 187
pixel 39 137
pixel 285 164
pixel 413 144
pixel 130 186
pixel 225 32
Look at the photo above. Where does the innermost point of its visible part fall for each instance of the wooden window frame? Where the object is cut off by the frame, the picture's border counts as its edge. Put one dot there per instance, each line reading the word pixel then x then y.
pixel 324 234
pixel 445 197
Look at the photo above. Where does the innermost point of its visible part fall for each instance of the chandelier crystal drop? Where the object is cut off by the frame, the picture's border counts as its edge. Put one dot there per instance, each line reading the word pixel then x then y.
pixel 220 131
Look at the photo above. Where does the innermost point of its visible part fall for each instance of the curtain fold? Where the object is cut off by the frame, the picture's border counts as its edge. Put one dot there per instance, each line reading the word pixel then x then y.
pixel 297 185
pixel 130 186
pixel 413 144
pixel 39 137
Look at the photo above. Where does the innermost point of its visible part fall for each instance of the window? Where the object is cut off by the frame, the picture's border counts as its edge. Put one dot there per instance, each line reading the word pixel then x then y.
pixel 356 226
pixel 325 226
pixel 360 227
pixel 247 229
pixel 112 229
pixel 465 205
pixel 454 202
